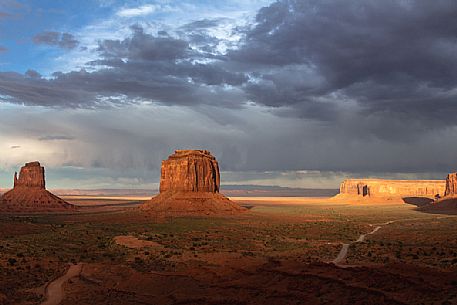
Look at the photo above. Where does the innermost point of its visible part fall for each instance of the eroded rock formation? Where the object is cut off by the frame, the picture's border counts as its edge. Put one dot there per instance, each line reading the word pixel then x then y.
pixel 190 171
pixel 29 193
pixel 451 185
pixel 31 175
pixel 189 184
pixel 448 203
pixel 392 188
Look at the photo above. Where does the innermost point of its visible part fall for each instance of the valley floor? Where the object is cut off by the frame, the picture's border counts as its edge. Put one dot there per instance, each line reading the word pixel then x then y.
pixel 279 252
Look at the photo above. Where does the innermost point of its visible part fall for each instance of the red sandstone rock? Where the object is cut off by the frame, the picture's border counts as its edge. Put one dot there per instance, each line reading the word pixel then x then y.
pixel 190 171
pixel 392 188
pixel 31 175
pixel 451 185
pixel 189 184
pixel 29 193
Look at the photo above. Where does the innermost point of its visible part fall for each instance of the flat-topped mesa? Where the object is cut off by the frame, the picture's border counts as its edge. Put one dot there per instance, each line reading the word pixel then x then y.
pixel 189 185
pixel 31 175
pixel 190 171
pixel 451 185
pixel 392 188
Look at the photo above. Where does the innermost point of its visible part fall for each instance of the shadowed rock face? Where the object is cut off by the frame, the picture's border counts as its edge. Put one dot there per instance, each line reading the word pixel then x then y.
pixel 189 185
pixel 190 171
pixel 392 188
pixel 451 185
pixel 29 193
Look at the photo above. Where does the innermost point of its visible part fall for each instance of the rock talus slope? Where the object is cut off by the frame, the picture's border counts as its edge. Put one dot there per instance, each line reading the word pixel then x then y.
pixel 29 193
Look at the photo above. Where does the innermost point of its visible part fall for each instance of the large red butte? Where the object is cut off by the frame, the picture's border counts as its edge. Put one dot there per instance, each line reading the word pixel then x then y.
pixel 29 193
pixel 189 184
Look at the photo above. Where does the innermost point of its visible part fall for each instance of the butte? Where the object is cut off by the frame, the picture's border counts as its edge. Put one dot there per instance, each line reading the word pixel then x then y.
pixel 189 185
pixel 30 195
pixel 448 203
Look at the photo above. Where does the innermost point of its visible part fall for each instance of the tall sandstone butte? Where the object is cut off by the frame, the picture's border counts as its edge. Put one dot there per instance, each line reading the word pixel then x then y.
pixel 448 203
pixel 451 185
pixel 31 176
pixel 190 171
pixel 29 193
pixel 392 188
pixel 190 184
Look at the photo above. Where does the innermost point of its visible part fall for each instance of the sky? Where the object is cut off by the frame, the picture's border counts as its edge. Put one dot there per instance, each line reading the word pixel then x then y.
pixel 296 93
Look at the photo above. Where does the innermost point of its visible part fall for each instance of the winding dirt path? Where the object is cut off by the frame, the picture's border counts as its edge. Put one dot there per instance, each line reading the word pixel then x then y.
pixel 54 290
pixel 339 260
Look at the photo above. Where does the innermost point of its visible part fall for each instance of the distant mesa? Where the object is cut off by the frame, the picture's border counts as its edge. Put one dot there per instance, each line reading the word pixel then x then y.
pixel 190 184
pixel 380 188
pixel 29 193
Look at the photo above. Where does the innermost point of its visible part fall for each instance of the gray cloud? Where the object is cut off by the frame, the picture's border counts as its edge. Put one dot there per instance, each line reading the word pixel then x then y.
pixel 140 68
pixel 345 86
pixel 56 138
pixel 32 74
pixel 61 40
pixel 3 49
pixel 203 24
pixel 390 57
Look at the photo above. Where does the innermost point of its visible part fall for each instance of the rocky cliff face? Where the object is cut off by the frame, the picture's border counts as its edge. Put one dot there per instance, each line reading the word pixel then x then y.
pixel 31 175
pixel 29 193
pixel 353 187
pixel 392 188
pixel 451 185
pixel 189 185
pixel 190 171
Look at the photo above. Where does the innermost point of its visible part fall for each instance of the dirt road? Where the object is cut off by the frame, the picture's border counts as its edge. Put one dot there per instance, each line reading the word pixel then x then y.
pixel 54 290
pixel 339 260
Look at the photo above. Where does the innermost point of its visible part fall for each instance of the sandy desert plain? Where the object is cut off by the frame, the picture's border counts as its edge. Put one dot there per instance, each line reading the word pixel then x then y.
pixel 280 251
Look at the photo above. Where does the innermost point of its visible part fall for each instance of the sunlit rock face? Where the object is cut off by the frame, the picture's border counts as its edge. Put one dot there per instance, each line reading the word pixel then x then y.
pixel 190 171
pixel 29 193
pixel 451 185
pixel 189 184
pixel 392 188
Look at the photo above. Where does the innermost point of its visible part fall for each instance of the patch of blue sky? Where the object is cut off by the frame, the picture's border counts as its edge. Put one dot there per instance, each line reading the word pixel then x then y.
pixel 93 20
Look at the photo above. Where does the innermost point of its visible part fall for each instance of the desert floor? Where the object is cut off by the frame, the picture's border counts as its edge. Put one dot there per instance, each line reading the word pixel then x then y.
pixel 282 251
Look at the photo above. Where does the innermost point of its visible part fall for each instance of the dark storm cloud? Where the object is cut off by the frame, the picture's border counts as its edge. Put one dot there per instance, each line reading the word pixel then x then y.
pixel 306 56
pixel 388 56
pixel 368 81
pixel 61 40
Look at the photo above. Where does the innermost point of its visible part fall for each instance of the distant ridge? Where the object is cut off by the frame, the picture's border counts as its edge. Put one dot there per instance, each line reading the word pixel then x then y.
pixel 275 191
pixel 228 190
